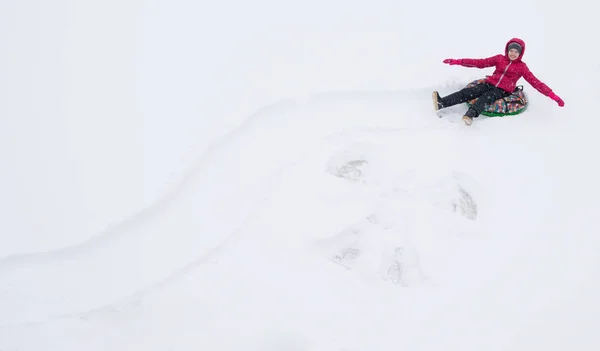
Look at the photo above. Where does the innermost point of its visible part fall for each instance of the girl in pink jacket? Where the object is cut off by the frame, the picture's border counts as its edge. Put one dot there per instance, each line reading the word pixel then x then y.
pixel 502 83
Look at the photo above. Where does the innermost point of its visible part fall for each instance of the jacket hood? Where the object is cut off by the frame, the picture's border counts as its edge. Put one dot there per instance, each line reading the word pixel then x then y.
pixel 518 41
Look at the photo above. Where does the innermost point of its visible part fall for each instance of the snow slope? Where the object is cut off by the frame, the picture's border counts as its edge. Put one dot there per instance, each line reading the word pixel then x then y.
pixel 322 205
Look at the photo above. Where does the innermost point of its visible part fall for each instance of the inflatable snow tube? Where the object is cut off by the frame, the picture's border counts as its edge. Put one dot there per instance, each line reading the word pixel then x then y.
pixel 513 104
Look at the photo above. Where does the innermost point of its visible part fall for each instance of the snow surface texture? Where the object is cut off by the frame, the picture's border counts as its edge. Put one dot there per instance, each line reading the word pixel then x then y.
pixel 271 176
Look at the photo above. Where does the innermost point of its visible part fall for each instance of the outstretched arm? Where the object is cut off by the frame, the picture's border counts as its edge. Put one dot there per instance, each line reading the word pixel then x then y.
pixel 479 63
pixel 541 87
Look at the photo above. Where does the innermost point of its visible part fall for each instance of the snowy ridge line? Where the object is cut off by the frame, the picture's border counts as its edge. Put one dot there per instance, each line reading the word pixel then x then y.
pixel 210 255
pixel 418 92
pixel 376 130
pixel 207 257
pixel 135 293
pixel 116 229
pixel 124 226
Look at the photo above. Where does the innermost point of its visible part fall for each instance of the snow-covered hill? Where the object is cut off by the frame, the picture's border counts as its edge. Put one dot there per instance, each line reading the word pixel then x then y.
pixel 265 177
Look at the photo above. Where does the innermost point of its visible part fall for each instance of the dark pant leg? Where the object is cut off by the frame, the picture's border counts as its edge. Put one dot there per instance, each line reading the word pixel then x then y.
pixel 486 98
pixel 466 94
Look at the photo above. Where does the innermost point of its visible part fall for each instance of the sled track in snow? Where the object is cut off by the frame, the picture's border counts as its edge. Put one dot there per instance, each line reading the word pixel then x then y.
pixel 124 226
pixel 129 225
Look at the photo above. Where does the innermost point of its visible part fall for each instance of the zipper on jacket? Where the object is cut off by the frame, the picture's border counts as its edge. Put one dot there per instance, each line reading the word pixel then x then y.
pixel 502 76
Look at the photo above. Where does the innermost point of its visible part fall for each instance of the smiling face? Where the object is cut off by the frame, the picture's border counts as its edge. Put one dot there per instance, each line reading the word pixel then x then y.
pixel 513 54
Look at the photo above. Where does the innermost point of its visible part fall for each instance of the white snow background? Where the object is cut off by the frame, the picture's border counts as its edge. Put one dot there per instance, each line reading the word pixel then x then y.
pixel 263 175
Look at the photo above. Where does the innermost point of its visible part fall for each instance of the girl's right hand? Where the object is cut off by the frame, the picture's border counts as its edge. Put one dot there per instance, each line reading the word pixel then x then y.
pixel 452 61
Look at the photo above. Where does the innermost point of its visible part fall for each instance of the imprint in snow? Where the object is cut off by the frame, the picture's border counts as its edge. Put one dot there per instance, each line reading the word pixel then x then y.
pixel 373 249
pixel 466 205
pixel 451 193
pixel 350 170
pixel 446 190
pixel 351 163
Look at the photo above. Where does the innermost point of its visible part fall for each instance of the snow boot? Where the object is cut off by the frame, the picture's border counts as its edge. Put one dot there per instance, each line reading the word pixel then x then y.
pixel 437 101
pixel 469 115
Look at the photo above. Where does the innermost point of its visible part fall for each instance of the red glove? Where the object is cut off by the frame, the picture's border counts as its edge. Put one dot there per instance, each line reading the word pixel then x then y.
pixel 452 62
pixel 556 98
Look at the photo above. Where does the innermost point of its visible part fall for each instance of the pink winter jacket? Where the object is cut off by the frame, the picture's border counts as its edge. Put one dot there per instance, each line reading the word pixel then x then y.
pixel 507 73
